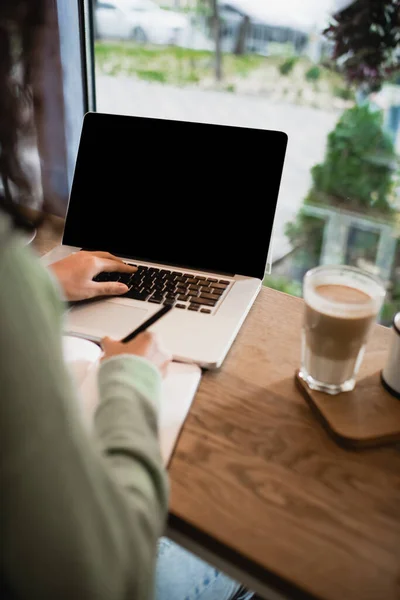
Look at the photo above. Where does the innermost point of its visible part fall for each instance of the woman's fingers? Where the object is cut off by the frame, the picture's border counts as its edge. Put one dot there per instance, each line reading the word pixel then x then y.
pixel 106 288
pixel 106 264
pixel 106 255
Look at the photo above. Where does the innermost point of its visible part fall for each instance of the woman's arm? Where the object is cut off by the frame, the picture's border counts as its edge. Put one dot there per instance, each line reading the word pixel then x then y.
pixel 78 518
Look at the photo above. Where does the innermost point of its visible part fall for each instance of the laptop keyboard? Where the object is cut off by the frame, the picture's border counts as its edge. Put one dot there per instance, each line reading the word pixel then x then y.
pixel 160 286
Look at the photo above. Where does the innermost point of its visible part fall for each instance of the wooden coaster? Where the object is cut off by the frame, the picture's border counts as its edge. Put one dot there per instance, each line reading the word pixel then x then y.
pixel 367 417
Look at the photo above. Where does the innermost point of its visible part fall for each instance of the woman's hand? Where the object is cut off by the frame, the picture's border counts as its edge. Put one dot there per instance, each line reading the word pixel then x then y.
pixel 75 274
pixel 146 345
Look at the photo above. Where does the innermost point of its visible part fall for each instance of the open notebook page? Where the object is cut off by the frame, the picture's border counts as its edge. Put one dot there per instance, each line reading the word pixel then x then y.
pixel 178 389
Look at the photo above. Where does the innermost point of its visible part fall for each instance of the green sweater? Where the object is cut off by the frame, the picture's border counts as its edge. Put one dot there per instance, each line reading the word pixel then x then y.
pixel 80 514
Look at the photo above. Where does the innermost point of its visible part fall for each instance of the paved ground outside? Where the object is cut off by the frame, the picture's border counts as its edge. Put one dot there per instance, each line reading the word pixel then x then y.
pixel 307 129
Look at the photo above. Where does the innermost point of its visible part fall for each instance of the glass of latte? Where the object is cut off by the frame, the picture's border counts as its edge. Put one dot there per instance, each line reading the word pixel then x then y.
pixel 341 305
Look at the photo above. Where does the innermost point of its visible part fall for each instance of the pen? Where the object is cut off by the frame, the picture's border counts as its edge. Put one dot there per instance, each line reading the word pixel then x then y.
pixel 163 311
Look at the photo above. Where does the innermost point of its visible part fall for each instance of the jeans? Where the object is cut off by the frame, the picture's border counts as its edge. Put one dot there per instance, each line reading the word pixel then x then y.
pixel 182 576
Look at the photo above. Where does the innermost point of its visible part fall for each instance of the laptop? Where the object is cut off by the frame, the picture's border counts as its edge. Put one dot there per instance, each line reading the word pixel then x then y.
pixel 191 205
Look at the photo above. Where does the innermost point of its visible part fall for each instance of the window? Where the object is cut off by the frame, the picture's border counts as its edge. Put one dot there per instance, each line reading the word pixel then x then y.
pixel 58 108
pixel 269 68
pixel 106 6
pixel 144 5
pixel 230 10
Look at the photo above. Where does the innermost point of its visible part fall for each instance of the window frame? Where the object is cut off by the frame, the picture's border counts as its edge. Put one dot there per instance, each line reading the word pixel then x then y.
pixel 63 87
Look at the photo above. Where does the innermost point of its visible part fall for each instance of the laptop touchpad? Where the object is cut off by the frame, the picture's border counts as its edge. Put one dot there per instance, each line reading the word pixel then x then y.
pixel 105 318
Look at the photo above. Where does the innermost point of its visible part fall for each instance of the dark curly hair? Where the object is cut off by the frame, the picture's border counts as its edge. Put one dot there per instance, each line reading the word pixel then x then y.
pixel 20 29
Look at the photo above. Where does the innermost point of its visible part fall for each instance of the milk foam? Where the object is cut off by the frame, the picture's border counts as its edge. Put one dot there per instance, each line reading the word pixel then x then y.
pixel 343 310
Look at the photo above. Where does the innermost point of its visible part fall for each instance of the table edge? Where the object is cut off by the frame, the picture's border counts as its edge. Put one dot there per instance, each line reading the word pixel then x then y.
pixel 265 578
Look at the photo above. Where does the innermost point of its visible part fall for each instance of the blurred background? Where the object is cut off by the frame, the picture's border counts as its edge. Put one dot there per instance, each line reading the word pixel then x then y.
pixel 268 64
pixel 327 72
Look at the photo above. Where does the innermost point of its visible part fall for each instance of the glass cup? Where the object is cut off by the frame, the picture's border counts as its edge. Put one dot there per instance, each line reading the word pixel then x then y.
pixel 341 305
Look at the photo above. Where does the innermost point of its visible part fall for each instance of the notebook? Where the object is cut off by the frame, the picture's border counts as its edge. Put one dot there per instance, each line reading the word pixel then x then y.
pixel 178 389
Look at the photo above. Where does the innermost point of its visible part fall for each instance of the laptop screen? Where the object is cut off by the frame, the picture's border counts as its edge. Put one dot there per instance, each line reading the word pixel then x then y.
pixel 185 194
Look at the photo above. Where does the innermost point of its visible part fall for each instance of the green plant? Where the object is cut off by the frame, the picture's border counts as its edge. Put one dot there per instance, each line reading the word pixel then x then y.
pixel 192 77
pixel 306 236
pixel 283 284
pixel 356 175
pixel 313 73
pixel 389 309
pixel 357 172
pixel 366 37
pixel 288 65
pixel 158 76
pixel 171 65
pixel 345 93
pixel 396 290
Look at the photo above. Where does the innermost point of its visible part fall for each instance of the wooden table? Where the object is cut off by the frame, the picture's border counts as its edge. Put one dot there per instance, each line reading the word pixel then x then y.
pixel 259 488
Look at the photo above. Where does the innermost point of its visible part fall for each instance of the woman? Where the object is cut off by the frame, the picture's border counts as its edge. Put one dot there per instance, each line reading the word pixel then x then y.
pixel 80 514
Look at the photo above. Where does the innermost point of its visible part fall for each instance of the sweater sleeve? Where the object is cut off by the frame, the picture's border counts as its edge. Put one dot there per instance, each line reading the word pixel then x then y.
pixel 80 516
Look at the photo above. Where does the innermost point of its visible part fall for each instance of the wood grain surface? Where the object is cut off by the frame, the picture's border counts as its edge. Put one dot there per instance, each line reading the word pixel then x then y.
pixel 255 471
pixel 367 417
